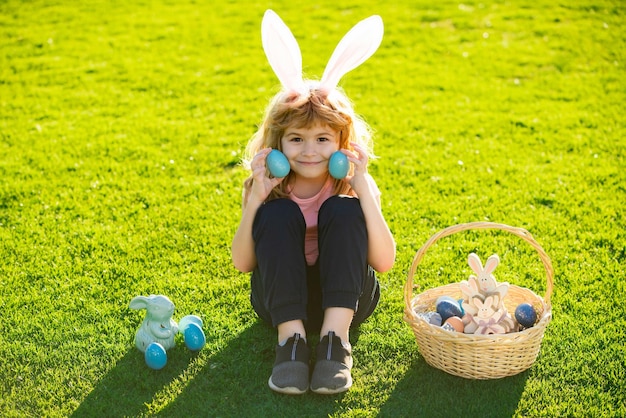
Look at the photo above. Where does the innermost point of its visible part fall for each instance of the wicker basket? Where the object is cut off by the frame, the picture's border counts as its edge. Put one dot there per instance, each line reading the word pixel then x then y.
pixel 478 356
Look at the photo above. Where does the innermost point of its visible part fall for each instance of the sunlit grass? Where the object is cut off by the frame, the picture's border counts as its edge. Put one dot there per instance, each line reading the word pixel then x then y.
pixel 121 128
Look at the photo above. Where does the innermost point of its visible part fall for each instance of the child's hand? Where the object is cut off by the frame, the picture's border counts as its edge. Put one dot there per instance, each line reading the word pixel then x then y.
pixel 359 159
pixel 262 184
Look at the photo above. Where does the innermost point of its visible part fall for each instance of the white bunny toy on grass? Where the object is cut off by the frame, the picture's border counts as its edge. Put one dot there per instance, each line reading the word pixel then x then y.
pixel 158 325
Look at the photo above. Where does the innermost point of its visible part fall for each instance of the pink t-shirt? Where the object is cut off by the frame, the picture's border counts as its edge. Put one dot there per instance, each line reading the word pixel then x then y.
pixel 310 207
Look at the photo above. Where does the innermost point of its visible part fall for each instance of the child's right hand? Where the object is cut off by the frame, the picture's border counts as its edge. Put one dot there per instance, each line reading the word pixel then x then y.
pixel 262 184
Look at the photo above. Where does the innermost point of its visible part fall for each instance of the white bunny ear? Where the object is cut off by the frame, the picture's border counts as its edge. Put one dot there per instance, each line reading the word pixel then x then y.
pixel 355 47
pixel 282 51
pixel 492 263
pixel 138 302
pixel 474 262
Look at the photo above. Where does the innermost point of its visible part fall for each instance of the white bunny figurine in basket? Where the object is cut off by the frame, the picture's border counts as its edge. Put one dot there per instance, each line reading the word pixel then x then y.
pixel 158 325
pixel 477 289
pixel 484 278
pixel 490 317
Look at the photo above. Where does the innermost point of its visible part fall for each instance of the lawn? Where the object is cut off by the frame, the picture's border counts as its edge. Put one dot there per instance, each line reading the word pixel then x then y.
pixel 122 125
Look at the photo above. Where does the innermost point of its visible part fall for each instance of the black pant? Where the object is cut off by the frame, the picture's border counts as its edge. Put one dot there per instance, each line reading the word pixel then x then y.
pixel 285 288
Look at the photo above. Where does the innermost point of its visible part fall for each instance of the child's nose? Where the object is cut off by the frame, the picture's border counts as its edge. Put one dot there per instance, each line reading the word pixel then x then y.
pixel 308 148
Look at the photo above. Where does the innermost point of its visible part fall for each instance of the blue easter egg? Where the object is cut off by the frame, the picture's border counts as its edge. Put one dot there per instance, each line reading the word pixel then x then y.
pixel 435 319
pixel 432 318
pixel 155 356
pixel 448 327
pixel 447 308
pixel 525 315
pixel 189 319
pixel 444 297
pixel 338 165
pixel 194 337
pixel 277 163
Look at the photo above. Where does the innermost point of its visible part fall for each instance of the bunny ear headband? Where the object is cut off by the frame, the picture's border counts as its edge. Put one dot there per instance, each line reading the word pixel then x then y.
pixel 283 52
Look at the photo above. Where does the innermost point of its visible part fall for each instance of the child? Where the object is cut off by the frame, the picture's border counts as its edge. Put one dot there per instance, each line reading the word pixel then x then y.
pixel 312 242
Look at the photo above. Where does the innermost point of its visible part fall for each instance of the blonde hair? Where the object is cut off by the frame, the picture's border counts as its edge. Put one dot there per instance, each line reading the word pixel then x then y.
pixel 288 109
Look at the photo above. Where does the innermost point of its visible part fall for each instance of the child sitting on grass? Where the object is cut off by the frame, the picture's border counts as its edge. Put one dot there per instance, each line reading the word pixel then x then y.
pixel 312 242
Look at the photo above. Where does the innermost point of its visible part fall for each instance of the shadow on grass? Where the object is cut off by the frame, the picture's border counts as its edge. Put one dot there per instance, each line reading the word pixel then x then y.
pixel 234 383
pixel 426 391
pixel 231 382
pixel 130 385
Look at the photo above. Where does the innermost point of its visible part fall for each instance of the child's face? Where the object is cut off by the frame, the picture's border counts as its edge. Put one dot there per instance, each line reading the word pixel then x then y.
pixel 309 149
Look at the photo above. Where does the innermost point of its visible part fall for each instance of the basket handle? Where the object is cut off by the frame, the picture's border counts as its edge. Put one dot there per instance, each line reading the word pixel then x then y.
pixel 520 232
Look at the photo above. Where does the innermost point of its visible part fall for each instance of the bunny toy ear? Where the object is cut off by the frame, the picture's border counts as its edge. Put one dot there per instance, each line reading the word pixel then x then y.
pixel 492 263
pixel 474 262
pixel 355 47
pixel 478 302
pixel 138 302
pixel 282 51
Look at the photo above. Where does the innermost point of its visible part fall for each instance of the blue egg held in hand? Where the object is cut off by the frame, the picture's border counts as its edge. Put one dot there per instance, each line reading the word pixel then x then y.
pixel 338 165
pixel 194 337
pixel 277 163
pixel 525 315
pixel 155 356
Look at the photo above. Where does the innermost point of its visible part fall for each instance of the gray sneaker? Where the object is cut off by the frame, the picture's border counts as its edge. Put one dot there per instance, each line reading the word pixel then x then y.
pixel 332 369
pixel 290 374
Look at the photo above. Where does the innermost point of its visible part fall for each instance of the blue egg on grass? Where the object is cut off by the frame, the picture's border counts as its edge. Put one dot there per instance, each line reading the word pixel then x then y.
pixel 338 165
pixel 448 308
pixel 194 337
pixel 525 315
pixel 189 319
pixel 155 356
pixel 277 163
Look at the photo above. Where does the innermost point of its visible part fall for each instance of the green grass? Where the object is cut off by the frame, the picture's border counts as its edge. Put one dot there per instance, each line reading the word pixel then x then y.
pixel 121 128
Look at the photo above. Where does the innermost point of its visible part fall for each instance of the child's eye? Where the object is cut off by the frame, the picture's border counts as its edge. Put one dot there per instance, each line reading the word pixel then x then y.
pixel 322 139
pixel 296 139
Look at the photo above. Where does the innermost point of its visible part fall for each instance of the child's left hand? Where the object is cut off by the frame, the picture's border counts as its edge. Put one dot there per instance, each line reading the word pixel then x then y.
pixel 359 159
